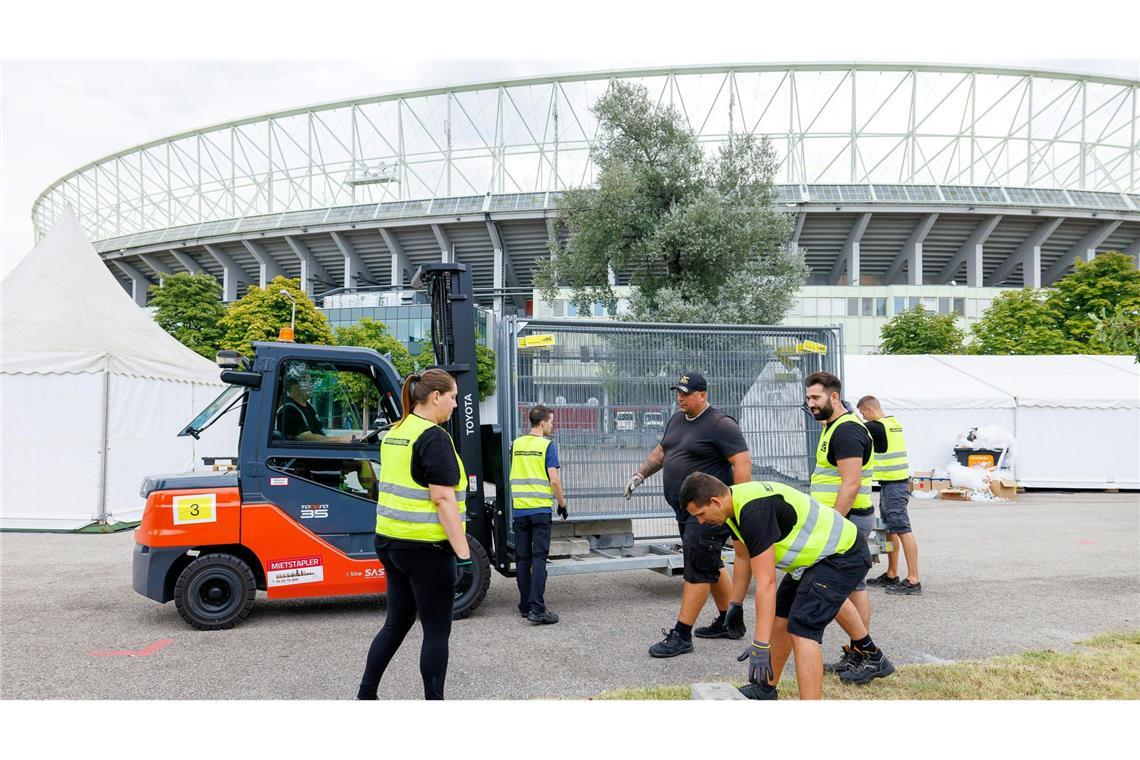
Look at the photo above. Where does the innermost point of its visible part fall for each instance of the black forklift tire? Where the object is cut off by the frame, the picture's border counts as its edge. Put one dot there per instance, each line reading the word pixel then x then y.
pixel 215 592
pixel 466 600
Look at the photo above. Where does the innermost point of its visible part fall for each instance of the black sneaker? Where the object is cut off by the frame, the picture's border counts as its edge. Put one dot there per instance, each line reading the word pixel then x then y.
pixel 546 617
pixel 850 659
pixel 671 646
pixel 867 670
pixel 729 629
pixel 760 691
pixel 883 580
pixel 906 587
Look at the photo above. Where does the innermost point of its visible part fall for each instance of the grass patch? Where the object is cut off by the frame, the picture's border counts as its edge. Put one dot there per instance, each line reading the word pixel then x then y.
pixel 1104 667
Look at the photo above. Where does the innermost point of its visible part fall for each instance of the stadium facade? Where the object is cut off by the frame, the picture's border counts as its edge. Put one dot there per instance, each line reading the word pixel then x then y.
pixel 908 184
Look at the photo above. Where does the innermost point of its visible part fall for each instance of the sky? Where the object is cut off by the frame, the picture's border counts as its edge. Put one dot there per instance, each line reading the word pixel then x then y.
pixel 70 97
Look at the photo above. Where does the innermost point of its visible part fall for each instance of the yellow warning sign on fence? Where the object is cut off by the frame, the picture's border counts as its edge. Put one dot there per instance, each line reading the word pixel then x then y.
pixel 811 347
pixel 536 341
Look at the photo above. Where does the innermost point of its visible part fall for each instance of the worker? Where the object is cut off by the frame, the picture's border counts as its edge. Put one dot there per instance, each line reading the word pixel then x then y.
pixel 297 419
pixel 535 487
pixel 892 471
pixel 420 538
pixel 824 557
pixel 698 438
pixel 842 480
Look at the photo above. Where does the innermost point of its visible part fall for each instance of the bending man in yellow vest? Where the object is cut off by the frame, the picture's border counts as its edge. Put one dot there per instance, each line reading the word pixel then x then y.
pixel 535 486
pixel 892 471
pixel 823 555
pixel 842 480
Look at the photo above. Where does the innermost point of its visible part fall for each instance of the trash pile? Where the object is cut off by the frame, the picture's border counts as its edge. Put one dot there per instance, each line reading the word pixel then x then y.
pixel 981 470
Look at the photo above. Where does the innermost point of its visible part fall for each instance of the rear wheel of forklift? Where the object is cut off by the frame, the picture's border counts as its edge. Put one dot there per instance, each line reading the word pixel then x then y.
pixel 215 591
pixel 470 596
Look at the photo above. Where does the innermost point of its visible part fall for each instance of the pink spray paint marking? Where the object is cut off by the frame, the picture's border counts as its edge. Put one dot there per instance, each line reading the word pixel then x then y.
pixel 144 652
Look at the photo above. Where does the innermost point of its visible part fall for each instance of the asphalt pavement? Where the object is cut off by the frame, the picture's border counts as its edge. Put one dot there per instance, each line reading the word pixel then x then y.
pixel 999 578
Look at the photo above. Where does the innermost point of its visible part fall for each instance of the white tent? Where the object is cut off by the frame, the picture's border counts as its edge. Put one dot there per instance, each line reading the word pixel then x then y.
pixel 93 392
pixel 1076 419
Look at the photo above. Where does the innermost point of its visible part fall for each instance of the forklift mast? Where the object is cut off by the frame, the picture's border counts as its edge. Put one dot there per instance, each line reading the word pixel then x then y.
pixel 449 290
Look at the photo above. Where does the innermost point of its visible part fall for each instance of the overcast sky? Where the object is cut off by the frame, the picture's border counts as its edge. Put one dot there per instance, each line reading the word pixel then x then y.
pixel 63 103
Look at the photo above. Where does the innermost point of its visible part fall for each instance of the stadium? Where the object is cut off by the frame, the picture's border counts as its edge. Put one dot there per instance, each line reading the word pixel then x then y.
pixel 908 184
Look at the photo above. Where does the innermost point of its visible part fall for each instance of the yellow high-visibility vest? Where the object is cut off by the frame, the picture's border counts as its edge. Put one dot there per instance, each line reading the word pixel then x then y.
pixel 818 532
pixel 405 509
pixel 530 482
pixel 892 464
pixel 825 480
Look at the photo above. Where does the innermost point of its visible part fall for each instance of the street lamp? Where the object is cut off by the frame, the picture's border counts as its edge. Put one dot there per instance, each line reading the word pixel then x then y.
pixel 286 334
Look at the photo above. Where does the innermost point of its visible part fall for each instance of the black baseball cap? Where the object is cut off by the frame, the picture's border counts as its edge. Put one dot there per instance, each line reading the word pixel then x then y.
pixel 689 382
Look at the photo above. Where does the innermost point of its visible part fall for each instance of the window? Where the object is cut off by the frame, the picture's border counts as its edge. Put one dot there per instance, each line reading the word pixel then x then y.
pixel 943 305
pixel 960 307
pixel 900 304
pixel 558 308
pixel 599 310
pixel 930 304
pixel 868 307
pixel 571 309
pixel 319 403
pixel 914 301
pixel 837 307
pixel 852 307
pixel 880 307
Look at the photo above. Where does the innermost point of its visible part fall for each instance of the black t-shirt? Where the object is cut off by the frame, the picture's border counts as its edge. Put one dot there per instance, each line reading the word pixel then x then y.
pixel 878 433
pixel 294 419
pixel 433 459
pixel 765 521
pixel 850 440
pixel 700 445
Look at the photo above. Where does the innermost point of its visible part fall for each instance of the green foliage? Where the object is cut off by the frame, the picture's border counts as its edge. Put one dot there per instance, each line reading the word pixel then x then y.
pixel 1118 332
pixel 1101 286
pixel 368 333
pixel 700 237
pixel 485 363
pixel 918 331
pixel 261 313
pixel 1019 322
pixel 189 307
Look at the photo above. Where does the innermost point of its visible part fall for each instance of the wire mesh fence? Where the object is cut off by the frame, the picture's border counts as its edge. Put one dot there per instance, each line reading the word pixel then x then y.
pixel 608 384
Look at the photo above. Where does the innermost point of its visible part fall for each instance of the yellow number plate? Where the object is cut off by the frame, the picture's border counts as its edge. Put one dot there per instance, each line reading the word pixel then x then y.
pixel 195 508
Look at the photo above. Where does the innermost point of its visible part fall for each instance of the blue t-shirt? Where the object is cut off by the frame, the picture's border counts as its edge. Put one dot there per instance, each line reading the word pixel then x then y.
pixel 552 455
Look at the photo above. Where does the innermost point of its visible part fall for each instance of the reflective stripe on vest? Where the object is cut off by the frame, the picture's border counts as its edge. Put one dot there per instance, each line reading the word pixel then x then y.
pixel 818 532
pixel 530 483
pixel 893 464
pixel 825 479
pixel 405 509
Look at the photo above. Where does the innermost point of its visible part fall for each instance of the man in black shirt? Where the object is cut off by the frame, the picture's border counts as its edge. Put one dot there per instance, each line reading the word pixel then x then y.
pixel 297 420
pixel 824 556
pixel 699 438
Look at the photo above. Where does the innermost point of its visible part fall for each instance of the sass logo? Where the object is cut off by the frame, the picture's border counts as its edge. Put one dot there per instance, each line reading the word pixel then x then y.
pixel 314 511
pixel 377 572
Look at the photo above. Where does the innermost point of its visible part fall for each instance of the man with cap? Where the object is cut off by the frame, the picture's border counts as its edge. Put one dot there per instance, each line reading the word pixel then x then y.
pixel 699 438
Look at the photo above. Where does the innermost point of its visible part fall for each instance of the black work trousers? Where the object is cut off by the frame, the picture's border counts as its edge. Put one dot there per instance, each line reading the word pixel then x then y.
pixel 421 583
pixel 532 548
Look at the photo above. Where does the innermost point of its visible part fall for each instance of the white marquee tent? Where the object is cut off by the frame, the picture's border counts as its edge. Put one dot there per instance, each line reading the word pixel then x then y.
pixel 93 392
pixel 1076 419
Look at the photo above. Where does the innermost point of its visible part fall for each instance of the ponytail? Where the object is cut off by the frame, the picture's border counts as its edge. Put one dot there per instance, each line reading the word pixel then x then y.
pixel 418 387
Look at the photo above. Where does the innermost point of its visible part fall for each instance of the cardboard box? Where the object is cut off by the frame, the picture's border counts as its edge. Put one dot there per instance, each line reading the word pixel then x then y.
pixel 954 494
pixel 925 481
pixel 1004 488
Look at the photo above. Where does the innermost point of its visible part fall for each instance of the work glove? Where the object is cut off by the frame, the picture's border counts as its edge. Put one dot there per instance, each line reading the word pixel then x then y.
pixel 464 574
pixel 759 657
pixel 632 485
pixel 562 511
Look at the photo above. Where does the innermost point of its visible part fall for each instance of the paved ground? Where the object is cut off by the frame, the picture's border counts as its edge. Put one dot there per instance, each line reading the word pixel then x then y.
pixel 1043 572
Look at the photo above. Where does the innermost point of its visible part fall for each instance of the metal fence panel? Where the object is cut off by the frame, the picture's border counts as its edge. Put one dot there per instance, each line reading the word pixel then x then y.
pixel 608 383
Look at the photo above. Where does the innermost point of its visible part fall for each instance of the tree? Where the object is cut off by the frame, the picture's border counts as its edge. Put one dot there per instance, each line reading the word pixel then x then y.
pixel 261 313
pixel 368 333
pixel 918 331
pixel 1101 286
pixel 1019 322
pixel 189 307
pixel 1118 332
pixel 699 238
pixel 484 367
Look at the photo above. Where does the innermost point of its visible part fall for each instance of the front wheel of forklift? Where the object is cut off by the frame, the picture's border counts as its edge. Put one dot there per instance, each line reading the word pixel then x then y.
pixel 470 595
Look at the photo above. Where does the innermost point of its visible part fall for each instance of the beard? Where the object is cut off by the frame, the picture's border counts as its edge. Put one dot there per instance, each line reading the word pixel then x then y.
pixel 824 412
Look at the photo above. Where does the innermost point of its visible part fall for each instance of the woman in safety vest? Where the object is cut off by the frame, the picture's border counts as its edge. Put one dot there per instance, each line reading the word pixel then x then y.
pixel 420 538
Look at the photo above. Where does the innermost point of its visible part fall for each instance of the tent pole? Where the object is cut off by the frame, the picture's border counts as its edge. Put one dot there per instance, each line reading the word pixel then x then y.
pixel 102 513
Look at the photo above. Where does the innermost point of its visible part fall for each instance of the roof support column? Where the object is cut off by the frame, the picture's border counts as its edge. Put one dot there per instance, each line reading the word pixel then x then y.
pixel 311 269
pixel 848 260
pixel 267 267
pixel 232 274
pixel 970 252
pixel 1028 254
pixel 446 247
pixel 188 263
pixel 1134 251
pixel 156 266
pixel 354 269
pixel 1084 249
pixel 401 267
pixel 139 282
pixel 911 253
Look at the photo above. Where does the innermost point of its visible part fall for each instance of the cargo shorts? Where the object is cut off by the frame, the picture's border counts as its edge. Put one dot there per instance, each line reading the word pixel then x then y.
pixel 893 499
pixel 865 524
pixel 701 547
pixel 812 602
